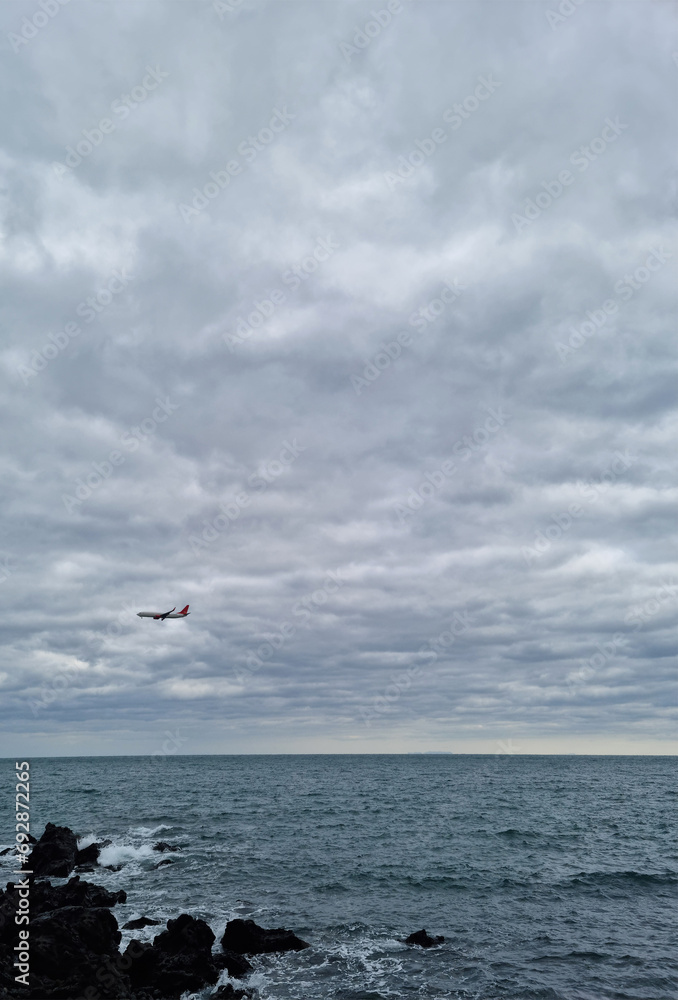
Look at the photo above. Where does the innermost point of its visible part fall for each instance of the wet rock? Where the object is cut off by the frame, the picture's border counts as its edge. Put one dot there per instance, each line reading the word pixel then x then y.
pixel 55 852
pixel 423 939
pixel 178 960
pixel 135 925
pixel 88 855
pixel 6 851
pixel 165 861
pixel 246 938
pixel 236 966
pixel 74 949
pixel 73 935
pixel 45 897
pixel 162 846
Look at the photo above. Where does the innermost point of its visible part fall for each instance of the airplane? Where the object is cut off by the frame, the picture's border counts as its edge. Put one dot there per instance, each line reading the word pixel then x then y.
pixel 167 614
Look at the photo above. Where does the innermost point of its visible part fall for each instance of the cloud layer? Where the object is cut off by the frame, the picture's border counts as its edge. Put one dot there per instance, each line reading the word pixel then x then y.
pixel 355 331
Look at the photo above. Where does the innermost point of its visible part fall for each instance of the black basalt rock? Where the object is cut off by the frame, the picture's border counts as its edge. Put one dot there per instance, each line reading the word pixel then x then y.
pixel 55 852
pixel 45 897
pixel 88 855
pixel 178 960
pixel 135 925
pixel 246 938
pixel 74 938
pixel 236 965
pixel 186 935
pixel 423 939
pixel 162 846
pixel 75 949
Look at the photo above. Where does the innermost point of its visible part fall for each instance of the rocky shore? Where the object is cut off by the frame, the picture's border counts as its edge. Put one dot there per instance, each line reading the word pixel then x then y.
pixel 73 944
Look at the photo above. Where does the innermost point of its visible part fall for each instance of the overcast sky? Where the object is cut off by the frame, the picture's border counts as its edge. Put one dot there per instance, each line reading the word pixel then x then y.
pixel 352 326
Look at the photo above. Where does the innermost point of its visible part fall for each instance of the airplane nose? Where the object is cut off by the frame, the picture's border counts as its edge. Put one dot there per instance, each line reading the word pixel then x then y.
pixel 138 614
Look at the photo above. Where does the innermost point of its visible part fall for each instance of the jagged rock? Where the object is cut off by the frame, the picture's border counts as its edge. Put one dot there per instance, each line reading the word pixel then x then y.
pixel 74 949
pixel 45 897
pixel 73 936
pixel 162 846
pixel 423 939
pixel 236 966
pixel 88 855
pixel 179 960
pixel 246 938
pixel 134 925
pixel 54 854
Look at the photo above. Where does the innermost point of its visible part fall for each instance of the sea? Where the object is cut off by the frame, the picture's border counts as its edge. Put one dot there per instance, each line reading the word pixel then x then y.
pixel 550 878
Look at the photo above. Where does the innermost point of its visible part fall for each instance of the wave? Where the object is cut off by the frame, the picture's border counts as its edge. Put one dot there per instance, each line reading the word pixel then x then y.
pixel 591 956
pixel 516 833
pixel 122 854
pixel 148 831
pixel 84 842
pixel 628 880
pixel 630 877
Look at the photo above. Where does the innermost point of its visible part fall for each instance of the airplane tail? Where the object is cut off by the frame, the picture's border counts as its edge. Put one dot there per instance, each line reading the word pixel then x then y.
pixel 185 611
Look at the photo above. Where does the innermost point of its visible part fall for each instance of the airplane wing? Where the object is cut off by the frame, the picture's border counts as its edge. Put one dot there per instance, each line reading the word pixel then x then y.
pixel 166 613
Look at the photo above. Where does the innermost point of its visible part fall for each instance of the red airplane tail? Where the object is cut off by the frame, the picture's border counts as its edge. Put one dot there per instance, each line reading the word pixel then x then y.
pixel 185 611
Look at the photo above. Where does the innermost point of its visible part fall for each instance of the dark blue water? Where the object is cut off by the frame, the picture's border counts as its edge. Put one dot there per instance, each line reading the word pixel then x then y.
pixel 550 877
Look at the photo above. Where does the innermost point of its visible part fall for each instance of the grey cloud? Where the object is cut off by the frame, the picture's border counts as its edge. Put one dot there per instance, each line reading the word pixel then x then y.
pixel 72 578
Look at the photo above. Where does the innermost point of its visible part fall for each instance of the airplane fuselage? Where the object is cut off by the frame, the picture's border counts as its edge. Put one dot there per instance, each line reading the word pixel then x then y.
pixel 161 615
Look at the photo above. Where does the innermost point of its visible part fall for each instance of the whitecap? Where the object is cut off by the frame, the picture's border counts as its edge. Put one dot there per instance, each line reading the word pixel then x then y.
pixel 148 831
pixel 84 842
pixel 122 854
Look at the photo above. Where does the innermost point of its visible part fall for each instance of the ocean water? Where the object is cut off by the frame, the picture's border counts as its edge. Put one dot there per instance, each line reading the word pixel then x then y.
pixel 551 878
